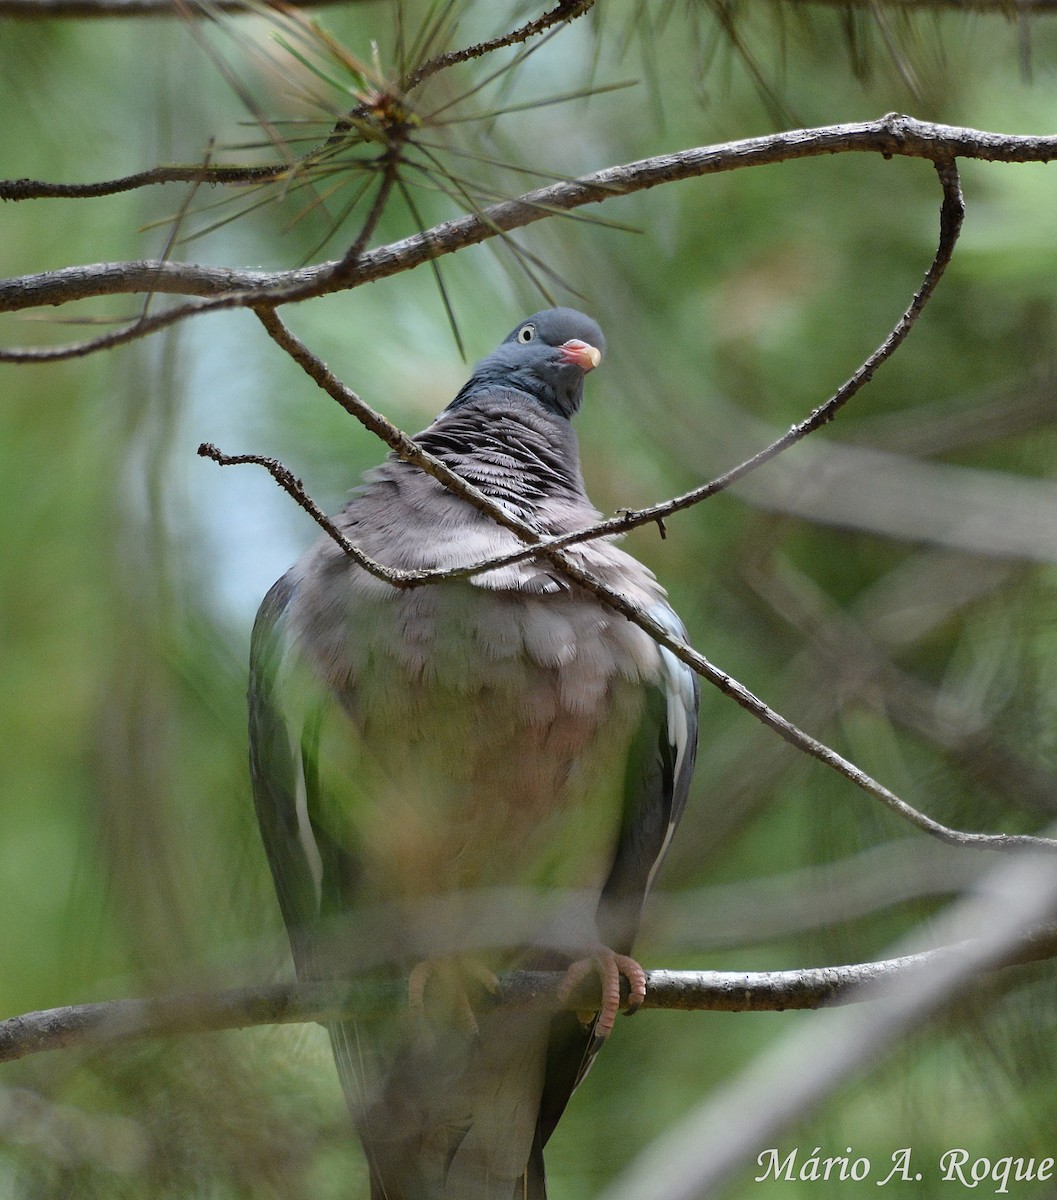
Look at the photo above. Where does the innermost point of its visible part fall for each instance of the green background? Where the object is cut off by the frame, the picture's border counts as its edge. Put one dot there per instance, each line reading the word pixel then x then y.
pixel 889 585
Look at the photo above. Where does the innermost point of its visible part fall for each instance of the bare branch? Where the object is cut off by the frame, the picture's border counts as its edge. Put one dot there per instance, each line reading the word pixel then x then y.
pixel 139 328
pixel 893 135
pixel 795 736
pixel 35 189
pixel 296 489
pixel 147 275
pixel 388 168
pixel 1000 7
pixel 41 10
pixel 117 1021
pixel 565 11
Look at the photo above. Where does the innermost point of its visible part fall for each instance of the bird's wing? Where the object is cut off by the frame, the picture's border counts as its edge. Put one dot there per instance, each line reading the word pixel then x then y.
pixel 287 710
pixel 657 782
pixel 276 739
pixel 660 767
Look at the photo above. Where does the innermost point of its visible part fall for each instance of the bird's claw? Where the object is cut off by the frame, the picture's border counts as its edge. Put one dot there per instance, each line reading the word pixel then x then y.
pixel 609 966
pixel 453 978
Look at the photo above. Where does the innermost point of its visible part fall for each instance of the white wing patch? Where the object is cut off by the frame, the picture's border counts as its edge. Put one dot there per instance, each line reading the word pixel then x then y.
pixel 678 682
pixel 304 831
pixel 292 687
pixel 678 691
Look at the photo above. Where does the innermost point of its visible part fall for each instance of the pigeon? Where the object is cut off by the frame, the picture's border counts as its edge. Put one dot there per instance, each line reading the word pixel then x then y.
pixel 469 777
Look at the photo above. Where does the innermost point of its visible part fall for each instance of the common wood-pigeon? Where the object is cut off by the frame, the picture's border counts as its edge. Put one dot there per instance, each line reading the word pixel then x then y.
pixel 468 777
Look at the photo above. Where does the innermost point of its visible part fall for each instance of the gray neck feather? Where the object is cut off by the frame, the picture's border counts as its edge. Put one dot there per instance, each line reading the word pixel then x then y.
pixel 510 447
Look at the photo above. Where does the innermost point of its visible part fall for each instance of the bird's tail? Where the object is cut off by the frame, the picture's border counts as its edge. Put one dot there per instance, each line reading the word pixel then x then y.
pixel 452 1120
pixel 531 1186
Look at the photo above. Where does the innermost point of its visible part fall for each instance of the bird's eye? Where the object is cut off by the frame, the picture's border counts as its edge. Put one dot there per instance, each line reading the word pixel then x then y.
pixel 526 333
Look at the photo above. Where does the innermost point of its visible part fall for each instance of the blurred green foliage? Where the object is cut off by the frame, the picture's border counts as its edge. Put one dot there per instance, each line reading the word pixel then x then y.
pixel 920 644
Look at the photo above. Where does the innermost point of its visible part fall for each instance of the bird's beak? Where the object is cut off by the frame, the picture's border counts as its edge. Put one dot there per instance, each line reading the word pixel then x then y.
pixel 584 355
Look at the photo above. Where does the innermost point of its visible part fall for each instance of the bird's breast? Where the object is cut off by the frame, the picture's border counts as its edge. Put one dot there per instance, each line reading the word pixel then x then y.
pixel 481 741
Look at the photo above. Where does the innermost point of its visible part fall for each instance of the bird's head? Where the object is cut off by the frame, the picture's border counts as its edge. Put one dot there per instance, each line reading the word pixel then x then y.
pixel 547 356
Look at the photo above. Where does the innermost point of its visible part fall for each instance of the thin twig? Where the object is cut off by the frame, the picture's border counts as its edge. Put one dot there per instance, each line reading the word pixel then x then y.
pixel 566 10
pixel 40 10
pixel 116 1021
pixel 795 736
pixel 132 332
pixel 390 166
pixel 35 189
pixel 295 488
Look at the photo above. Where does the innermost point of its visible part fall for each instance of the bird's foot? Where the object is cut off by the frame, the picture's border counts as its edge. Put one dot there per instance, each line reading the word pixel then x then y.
pixel 449 982
pixel 609 967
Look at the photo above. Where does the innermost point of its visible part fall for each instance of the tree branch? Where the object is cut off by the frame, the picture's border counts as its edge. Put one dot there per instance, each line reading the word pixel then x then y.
pixel 116 1021
pixel 294 488
pixel 565 11
pixel 35 189
pixel 40 10
pixel 795 736
pixel 999 7
pixel 227 287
